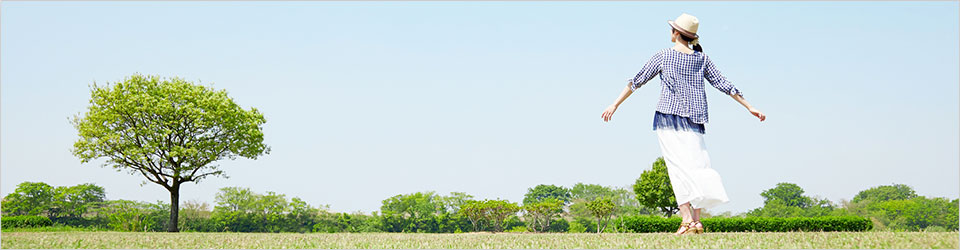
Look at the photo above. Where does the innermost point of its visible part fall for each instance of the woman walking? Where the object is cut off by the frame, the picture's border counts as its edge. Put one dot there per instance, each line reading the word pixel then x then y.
pixel 680 117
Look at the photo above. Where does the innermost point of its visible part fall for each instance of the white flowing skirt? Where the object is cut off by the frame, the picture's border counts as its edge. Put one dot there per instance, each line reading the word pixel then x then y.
pixel 688 166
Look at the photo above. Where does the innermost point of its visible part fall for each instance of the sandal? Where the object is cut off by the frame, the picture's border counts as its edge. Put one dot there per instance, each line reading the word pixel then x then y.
pixel 698 229
pixel 685 228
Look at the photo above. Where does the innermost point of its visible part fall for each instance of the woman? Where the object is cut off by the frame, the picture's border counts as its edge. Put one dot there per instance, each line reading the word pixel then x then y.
pixel 680 117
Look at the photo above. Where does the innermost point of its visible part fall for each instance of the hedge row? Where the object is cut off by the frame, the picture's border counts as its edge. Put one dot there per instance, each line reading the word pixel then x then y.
pixel 25 221
pixel 649 224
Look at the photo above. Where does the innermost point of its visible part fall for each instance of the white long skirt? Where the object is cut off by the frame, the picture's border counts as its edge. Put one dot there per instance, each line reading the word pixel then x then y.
pixel 688 166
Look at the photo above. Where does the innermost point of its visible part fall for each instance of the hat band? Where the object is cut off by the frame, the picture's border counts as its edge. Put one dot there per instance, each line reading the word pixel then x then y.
pixel 683 31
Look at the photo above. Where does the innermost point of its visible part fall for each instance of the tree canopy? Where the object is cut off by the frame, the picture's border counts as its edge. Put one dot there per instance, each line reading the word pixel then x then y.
pixel 167 130
pixel 885 193
pixel 653 189
pixel 788 193
pixel 543 191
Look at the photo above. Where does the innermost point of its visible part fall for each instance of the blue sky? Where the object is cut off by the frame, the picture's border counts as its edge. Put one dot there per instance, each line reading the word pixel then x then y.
pixel 368 100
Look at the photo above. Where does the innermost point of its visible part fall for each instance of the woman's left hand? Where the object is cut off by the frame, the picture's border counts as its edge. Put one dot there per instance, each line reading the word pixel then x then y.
pixel 758 114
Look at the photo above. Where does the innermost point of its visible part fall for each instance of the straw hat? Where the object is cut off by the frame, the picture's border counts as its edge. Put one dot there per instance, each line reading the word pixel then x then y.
pixel 686 24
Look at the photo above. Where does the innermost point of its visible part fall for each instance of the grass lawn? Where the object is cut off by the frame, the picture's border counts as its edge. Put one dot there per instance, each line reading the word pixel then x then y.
pixel 480 240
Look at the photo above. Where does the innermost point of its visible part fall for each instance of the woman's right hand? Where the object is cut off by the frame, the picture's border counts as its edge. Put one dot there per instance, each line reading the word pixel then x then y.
pixel 608 113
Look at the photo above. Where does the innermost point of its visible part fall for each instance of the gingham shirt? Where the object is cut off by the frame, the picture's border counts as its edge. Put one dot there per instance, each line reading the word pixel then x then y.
pixel 682 77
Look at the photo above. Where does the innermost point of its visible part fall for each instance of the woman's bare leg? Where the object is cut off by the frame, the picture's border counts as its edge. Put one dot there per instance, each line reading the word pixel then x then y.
pixel 696 217
pixel 686 215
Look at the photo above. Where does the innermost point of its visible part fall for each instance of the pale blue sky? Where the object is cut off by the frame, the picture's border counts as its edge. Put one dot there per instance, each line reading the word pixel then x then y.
pixel 369 100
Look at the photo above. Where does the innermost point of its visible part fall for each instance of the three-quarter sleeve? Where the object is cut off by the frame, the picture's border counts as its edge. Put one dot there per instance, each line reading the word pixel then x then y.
pixel 712 74
pixel 649 70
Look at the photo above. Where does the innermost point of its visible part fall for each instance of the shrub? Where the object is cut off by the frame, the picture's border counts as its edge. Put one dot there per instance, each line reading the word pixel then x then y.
pixel 559 225
pixel 25 221
pixel 518 229
pixel 82 222
pixel 645 224
pixel 576 227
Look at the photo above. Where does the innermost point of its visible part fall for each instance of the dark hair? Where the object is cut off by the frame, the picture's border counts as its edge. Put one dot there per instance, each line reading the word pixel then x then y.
pixel 685 38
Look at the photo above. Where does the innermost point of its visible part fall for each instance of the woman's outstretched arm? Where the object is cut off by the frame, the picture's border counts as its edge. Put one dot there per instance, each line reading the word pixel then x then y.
pixel 746 104
pixel 650 69
pixel 608 113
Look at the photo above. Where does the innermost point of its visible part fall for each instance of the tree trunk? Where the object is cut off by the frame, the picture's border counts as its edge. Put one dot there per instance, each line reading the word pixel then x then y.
pixel 598 224
pixel 605 223
pixel 174 208
pixel 545 225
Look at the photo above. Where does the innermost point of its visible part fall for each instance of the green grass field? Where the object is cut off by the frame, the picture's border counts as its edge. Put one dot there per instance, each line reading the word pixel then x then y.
pixel 480 240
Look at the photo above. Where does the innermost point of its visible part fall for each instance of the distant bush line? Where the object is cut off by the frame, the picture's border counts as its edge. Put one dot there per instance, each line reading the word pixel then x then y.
pixel 546 208
pixel 653 224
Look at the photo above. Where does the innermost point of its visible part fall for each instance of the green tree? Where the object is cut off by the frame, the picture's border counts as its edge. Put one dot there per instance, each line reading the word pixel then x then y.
pixel 411 212
pixel 452 203
pixel 819 207
pixel 302 216
pixel 272 203
pixel 627 203
pixel 135 216
pixel 885 193
pixel 498 211
pixel 789 193
pixel 542 213
pixel 590 191
pixel 169 131
pixel 582 193
pixel 787 200
pixel 603 209
pixel 776 208
pixel 653 189
pixel 242 210
pixel 475 211
pixel 914 214
pixel 30 198
pixel 76 200
pixel 195 216
pixel 236 199
pixel 543 191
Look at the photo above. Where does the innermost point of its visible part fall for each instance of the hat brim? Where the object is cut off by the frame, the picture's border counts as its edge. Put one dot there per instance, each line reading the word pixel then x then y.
pixel 682 31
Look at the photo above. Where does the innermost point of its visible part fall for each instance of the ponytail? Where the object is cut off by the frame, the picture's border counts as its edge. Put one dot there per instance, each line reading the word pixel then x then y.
pixel 696 47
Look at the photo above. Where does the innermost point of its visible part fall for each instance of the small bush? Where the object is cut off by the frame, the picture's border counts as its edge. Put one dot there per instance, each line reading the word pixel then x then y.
pixel 576 227
pixel 25 221
pixel 518 229
pixel 646 224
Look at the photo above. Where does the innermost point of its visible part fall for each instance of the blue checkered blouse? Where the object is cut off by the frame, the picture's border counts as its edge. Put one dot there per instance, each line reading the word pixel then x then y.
pixel 682 77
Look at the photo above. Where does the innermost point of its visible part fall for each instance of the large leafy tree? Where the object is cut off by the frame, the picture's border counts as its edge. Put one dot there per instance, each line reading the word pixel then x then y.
pixel 452 204
pixel 169 131
pixel 790 194
pixel 653 189
pixel 498 210
pixel 885 193
pixel 36 198
pixel 475 211
pixel 915 214
pixel 788 200
pixel 76 200
pixel 411 212
pixel 542 213
pixel 30 198
pixel 543 191
pixel 603 209
pixel 590 191
pixel 236 199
